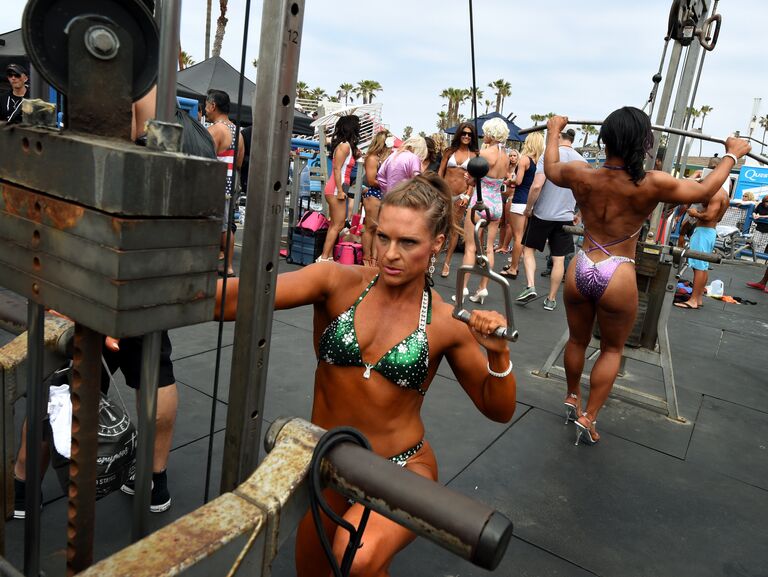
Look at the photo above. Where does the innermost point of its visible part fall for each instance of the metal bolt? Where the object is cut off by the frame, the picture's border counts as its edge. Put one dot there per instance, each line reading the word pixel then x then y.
pixel 102 42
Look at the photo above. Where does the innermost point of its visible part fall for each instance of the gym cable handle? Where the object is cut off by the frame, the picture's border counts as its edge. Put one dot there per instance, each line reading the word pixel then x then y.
pixel 482 267
pixel 704 34
pixel 467 528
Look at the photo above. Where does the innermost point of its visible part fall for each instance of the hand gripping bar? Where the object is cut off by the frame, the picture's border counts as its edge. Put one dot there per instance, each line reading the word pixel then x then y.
pixel 655 127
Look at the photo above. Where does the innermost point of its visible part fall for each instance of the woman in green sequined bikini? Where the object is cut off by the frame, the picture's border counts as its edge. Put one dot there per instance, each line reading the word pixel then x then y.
pixel 380 335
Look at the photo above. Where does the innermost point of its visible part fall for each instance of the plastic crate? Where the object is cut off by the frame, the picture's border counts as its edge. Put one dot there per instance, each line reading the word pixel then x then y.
pixel 304 246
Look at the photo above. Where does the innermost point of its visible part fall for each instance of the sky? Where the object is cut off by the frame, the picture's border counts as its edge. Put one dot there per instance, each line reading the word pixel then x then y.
pixel 582 59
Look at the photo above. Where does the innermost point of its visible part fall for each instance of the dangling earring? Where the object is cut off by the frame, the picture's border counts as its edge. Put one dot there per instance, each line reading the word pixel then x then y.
pixel 431 269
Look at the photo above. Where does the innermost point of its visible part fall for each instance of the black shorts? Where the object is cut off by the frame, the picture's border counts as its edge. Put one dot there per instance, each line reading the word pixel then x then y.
pixel 128 360
pixel 538 232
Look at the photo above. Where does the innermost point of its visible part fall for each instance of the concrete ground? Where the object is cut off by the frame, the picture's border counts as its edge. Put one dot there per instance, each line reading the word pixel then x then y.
pixel 656 497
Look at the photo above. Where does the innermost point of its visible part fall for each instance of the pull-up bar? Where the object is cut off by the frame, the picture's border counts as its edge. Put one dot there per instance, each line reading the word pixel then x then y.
pixel 657 128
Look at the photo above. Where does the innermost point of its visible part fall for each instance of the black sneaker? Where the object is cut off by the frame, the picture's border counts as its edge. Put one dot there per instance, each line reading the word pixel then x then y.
pixel 19 499
pixel 546 273
pixel 161 497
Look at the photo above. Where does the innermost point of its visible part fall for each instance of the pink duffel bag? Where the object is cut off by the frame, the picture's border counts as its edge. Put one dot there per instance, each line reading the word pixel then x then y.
pixel 348 253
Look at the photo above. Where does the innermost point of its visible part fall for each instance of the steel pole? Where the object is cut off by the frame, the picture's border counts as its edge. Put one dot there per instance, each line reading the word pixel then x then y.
pixel 36 402
pixel 145 450
pixel 666 97
pixel 273 101
pixel 169 23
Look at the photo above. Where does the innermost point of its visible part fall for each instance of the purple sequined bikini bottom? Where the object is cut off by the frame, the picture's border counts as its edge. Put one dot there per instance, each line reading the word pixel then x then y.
pixel 592 278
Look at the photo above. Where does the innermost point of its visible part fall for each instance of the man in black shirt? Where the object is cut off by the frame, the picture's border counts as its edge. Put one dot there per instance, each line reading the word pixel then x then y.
pixel 10 103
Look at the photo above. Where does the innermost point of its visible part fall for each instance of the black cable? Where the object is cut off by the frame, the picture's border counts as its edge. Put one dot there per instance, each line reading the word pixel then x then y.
pixel 478 191
pixel 228 238
pixel 317 501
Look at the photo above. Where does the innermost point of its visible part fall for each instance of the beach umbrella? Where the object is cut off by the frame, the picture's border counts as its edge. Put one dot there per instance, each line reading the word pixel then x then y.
pixel 362 110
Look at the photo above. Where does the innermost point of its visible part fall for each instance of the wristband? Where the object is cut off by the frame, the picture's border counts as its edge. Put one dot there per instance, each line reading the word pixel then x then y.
pixel 464 196
pixel 500 375
pixel 733 156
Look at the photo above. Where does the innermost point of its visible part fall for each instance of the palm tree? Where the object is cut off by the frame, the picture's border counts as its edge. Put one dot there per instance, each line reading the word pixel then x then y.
pixel 704 110
pixel 317 94
pixel 763 121
pixel 442 120
pixel 366 89
pixel 373 88
pixel 588 129
pixel 345 89
pixel 537 118
pixel 487 105
pixel 185 60
pixel 302 89
pixel 502 89
pixel 422 134
pixel 407 131
pixel 477 97
pixel 455 97
pixel 692 112
pixel 208 30
pixel 221 24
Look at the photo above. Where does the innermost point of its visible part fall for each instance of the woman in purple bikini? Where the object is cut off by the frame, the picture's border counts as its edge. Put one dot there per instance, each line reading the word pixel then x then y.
pixel 615 201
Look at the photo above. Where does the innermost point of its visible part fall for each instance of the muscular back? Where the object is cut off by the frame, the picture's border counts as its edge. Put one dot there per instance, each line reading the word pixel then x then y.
pixel 614 207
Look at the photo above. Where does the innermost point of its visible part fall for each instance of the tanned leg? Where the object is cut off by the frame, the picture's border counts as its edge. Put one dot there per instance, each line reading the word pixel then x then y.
pixel 167 405
pixel 529 259
pixel 337 212
pixel 580 313
pixel 616 311
pixel 493 228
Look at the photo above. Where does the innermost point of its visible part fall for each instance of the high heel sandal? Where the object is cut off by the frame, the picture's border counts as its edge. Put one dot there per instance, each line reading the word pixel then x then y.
pixel 571 408
pixel 588 433
pixel 446 270
pixel 464 295
pixel 479 296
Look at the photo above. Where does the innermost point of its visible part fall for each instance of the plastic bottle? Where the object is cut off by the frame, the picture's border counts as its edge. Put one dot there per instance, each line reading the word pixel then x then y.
pixel 716 289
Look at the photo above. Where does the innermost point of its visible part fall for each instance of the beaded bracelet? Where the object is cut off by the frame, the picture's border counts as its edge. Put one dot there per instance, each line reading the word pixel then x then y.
pixel 500 375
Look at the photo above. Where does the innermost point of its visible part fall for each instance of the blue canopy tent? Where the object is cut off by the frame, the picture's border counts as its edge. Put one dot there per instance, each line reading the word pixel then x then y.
pixel 514 130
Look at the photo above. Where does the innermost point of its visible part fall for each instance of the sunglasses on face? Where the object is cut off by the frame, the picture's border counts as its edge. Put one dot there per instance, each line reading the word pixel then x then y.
pixel 13 75
pixel 466 134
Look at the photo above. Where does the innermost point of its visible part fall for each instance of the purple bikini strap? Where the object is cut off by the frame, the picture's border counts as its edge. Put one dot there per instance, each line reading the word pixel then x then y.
pixel 602 247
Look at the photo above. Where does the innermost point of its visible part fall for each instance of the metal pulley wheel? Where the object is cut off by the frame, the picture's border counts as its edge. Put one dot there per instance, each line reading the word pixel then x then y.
pixel 46 26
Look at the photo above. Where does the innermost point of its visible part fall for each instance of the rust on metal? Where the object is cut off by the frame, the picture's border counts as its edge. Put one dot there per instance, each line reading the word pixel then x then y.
pixel 34 206
pixel 85 392
pixel 189 540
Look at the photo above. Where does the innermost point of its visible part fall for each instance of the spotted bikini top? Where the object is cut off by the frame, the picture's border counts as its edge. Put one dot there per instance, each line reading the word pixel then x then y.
pixel 406 364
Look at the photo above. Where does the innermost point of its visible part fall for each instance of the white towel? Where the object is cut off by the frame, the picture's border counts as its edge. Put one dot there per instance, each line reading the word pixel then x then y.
pixel 60 414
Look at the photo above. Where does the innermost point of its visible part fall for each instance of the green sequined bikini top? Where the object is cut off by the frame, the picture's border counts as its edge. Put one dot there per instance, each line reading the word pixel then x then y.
pixel 406 364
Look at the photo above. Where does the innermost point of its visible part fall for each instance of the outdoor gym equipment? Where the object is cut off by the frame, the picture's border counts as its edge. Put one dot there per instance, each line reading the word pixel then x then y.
pixel 124 240
pixel 120 238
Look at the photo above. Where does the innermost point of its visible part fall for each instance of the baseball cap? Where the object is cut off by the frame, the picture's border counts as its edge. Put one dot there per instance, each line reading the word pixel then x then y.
pixel 17 68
